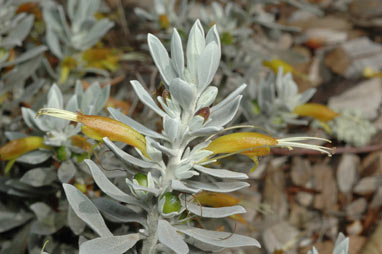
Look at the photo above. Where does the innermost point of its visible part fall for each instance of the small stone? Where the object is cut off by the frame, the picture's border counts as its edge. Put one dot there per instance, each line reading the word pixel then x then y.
pixel 355 228
pixel 347 172
pixel 360 98
pixel 355 209
pixel 366 185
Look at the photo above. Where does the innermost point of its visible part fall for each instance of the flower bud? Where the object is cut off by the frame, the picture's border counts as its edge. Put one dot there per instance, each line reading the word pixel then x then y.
pixel 18 147
pixel 204 112
pixel 171 203
pixel 164 22
pixel 61 153
pixel 141 179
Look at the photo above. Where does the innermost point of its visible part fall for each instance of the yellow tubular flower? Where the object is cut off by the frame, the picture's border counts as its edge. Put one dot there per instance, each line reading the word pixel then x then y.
pixel 215 199
pixel 97 127
pixel 275 64
pixel 15 148
pixel 316 111
pixel 255 144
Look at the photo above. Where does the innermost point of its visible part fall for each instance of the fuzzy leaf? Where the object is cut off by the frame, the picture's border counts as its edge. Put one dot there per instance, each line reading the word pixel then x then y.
pixel 110 245
pixel 208 63
pixel 86 210
pixel 177 57
pixel 221 173
pixel 195 45
pixel 183 92
pixel 118 115
pixel 210 212
pixel 168 236
pixel 145 97
pixel 127 157
pixel 161 59
pixel 219 239
pixel 107 186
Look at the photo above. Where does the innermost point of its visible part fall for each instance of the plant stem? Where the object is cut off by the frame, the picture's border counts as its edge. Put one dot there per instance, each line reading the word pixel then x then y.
pixel 149 244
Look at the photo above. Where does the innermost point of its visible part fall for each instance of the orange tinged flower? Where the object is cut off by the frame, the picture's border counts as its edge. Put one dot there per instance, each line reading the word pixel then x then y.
pixel 98 127
pixel 316 111
pixel 215 199
pixel 253 143
pixel 18 147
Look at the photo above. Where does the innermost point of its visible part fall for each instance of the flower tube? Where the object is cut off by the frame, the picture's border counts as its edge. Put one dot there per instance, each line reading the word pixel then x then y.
pixel 255 144
pixel 316 111
pixel 97 127
pixel 15 148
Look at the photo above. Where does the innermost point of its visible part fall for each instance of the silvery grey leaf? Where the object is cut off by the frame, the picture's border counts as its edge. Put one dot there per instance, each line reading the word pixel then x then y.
pixel 145 97
pixel 108 187
pixel 127 157
pixel 205 131
pixel 66 171
pixel 25 56
pixel 197 156
pixel 111 244
pixel 21 30
pixel 72 104
pixel 307 95
pixel 229 98
pixel 53 43
pixel 41 210
pixel 210 212
pixel 118 213
pixel 213 35
pixel 29 117
pixel 224 114
pixel 219 239
pixel 134 124
pixel 174 106
pixel 55 98
pixel 86 210
pixel 163 149
pixel 9 219
pixel 221 173
pixel 161 59
pixel 207 97
pixel 208 64
pixel 10 135
pixel 98 30
pixel 183 92
pixel 34 157
pixel 137 187
pixel 154 154
pixel 195 45
pixel 221 187
pixel 74 222
pixel 341 245
pixel 171 127
pixel 166 108
pixel 196 123
pixel 177 57
pixel 38 177
pixel 180 186
pixel 168 236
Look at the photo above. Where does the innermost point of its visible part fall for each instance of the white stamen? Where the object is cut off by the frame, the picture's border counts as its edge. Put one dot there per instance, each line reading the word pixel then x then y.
pixel 59 113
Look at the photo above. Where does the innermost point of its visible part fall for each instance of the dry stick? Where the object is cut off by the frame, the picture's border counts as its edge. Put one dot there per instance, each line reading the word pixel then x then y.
pixel 338 150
